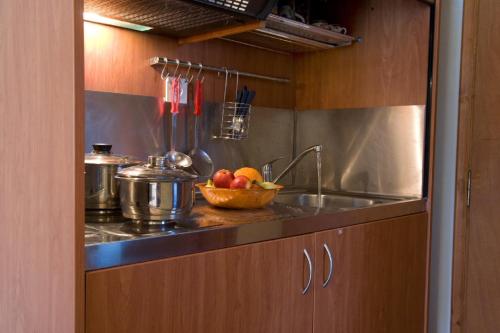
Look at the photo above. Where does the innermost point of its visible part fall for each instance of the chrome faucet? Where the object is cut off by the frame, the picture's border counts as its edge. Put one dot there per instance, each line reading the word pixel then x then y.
pixel 267 169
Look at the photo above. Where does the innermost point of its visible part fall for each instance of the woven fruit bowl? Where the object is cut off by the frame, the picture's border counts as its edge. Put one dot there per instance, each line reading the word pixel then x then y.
pixel 238 198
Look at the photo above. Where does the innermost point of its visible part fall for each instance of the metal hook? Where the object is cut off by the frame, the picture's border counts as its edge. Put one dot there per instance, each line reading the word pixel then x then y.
pixel 199 72
pixel 162 75
pixel 189 71
pixel 178 62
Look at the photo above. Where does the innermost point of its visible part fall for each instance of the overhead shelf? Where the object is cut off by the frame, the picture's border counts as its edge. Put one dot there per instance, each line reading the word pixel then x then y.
pixel 284 35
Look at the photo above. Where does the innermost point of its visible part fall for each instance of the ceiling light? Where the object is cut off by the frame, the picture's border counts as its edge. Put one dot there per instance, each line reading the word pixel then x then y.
pixel 96 18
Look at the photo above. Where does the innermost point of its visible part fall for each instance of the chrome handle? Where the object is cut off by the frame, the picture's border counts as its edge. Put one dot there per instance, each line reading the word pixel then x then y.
pixel 309 281
pixel 267 169
pixel 330 270
pixel 275 160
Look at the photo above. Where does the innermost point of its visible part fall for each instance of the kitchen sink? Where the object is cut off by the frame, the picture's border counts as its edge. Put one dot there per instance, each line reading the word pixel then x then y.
pixel 328 201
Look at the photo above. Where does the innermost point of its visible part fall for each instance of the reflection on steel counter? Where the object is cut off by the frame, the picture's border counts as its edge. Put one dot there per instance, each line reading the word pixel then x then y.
pixel 210 228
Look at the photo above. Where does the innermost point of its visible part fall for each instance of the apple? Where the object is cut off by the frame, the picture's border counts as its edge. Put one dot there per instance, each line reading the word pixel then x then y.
pixel 241 182
pixel 223 178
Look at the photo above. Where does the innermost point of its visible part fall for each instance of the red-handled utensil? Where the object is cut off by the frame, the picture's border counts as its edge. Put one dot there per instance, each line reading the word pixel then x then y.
pixel 176 92
pixel 198 97
pixel 175 158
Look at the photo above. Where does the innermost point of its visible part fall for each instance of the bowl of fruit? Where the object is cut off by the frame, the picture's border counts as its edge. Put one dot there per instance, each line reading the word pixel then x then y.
pixel 243 189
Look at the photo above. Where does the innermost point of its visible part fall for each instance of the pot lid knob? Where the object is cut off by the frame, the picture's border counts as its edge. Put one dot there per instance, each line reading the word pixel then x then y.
pixel 158 161
pixel 101 148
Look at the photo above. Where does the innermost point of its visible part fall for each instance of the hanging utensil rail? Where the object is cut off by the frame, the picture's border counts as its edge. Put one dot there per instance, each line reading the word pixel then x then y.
pixel 167 61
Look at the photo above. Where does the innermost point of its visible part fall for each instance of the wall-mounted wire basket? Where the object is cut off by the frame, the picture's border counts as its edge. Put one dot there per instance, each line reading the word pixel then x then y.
pixel 235 121
pixel 235 116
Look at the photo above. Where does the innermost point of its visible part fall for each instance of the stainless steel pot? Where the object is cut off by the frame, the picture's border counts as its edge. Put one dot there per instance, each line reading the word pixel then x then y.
pixel 156 193
pixel 101 187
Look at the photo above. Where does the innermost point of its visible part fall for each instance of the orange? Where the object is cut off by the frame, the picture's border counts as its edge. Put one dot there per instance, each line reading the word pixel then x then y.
pixel 250 173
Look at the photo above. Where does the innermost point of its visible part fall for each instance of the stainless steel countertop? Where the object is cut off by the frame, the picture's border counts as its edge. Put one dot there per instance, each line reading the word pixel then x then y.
pixel 209 228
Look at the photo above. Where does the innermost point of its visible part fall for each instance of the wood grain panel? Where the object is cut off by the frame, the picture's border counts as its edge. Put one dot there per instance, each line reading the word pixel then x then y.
pixel 466 111
pixel 253 288
pixel 79 177
pixel 41 195
pixel 431 128
pixel 388 68
pixel 116 60
pixel 482 293
pixel 222 32
pixel 379 281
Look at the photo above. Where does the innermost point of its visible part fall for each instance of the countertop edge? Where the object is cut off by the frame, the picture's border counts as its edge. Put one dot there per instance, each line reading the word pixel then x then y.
pixel 117 254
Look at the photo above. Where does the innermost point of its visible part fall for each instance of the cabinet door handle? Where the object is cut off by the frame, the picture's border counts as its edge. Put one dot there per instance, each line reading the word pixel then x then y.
pixel 309 264
pixel 330 268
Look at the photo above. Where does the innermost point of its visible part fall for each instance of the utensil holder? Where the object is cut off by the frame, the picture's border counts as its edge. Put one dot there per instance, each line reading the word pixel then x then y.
pixel 235 121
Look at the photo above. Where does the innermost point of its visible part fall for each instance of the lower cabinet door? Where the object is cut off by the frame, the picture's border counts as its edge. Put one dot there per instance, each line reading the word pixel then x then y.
pixel 375 280
pixel 251 288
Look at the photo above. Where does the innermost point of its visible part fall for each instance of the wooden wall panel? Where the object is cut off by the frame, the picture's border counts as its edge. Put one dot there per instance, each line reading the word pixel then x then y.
pixel 388 68
pixel 41 170
pixel 476 291
pixel 464 153
pixel 116 60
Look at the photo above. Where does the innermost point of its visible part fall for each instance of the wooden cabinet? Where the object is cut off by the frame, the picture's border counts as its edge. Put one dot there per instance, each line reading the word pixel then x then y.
pixel 378 282
pixel 253 288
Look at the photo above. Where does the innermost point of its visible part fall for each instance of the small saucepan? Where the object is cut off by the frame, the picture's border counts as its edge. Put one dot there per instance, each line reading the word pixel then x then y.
pixel 101 188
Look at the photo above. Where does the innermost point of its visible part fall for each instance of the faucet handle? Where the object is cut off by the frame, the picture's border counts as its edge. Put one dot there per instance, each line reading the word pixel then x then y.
pixel 272 161
pixel 267 169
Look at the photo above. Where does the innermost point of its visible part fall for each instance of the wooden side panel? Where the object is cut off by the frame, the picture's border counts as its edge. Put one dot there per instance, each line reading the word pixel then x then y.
pixel 254 288
pixel 379 281
pixel 466 112
pixel 41 169
pixel 116 60
pixel 388 68
pixel 482 305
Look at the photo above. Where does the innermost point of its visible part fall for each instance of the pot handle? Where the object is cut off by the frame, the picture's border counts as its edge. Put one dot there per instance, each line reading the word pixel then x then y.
pixel 101 148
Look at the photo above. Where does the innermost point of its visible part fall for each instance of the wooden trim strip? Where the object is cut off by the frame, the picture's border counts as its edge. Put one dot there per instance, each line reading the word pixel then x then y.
pixel 222 32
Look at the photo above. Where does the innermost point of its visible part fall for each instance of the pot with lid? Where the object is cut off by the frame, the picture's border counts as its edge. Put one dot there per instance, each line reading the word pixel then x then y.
pixel 101 187
pixel 156 193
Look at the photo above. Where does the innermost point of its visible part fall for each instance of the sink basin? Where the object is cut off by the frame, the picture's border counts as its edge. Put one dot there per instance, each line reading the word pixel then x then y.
pixel 328 201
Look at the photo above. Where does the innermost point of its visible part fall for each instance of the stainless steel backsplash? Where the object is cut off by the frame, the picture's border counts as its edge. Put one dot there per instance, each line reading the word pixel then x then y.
pixel 134 125
pixel 378 150
pixel 366 150
pixel 140 126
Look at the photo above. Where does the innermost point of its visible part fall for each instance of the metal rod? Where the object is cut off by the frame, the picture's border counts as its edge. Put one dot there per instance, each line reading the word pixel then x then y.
pixel 166 61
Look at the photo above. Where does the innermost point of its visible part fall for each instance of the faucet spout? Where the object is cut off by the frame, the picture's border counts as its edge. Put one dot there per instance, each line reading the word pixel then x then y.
pixel 293 163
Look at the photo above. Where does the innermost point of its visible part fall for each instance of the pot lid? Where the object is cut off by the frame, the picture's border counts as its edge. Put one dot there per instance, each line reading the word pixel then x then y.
pixel 101 154
pixel 157 169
